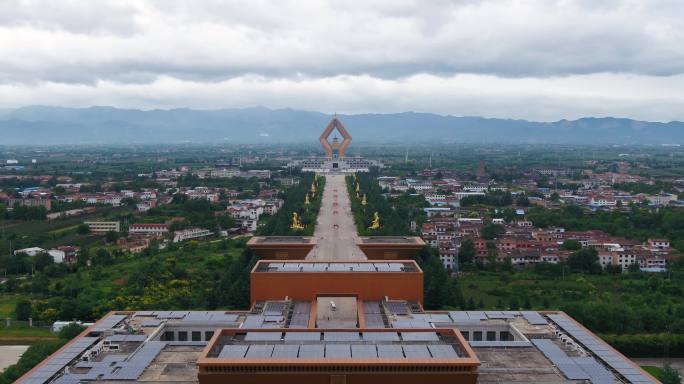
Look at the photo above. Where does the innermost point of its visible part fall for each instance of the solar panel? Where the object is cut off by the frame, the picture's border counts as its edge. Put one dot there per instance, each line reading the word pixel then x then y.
pixel 311 351
pixel 477 315
pixel 380 336
pixel 442 351
pixel 366 267
pixel 390 351
pixel 259 351
pixel 381 267
pixel 263 336
pixel 416 351
pixel 397 307
pixel 233 352
pixel 338 351
pixel 253 321
pixel 439 318
pixel 419 336
pixel 302 336
pixel 596 346
pixel 363 351
pixel 274 308
pixel 341 336
pixel 302 307
pixel 374 320
pixel 285 351
pixel 371 307
pixel 395 267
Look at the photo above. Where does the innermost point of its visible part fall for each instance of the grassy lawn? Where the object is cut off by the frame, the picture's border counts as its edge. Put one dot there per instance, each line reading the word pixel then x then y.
pixel 24 335
pixel 7 304
pixel 656 372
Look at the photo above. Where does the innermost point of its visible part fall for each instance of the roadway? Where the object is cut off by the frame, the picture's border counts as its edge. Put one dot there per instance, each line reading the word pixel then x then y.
pixel 335 230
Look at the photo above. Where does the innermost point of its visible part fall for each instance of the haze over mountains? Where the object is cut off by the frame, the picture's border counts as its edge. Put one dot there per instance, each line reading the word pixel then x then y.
pixel 107 125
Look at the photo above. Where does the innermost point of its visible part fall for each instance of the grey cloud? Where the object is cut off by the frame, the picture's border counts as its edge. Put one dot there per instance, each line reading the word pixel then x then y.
pixel 220 40
pixel 71 16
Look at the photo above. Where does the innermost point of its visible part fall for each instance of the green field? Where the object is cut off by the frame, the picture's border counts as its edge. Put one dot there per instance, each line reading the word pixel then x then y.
pixel 7 303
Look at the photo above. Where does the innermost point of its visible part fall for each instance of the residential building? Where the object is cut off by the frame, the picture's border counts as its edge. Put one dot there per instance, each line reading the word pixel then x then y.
pixel 148 229
pixel 190 233
pixel 101 227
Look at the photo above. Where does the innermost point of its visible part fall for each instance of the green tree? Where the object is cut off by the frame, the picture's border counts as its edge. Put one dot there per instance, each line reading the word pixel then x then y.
pixel 670 375
pixel 23 309
pixel 82 229
pixel 70 331
pixel 466 252
pixel 492 231
pixel 102 257
pixel 111 236
pixel 42 261
pixel 583 260
pixel 571 245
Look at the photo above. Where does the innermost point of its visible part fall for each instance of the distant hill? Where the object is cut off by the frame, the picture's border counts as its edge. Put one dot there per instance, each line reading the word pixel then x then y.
pixel 107 125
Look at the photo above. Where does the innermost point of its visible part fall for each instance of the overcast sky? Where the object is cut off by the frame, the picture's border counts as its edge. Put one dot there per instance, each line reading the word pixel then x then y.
pixel 539 60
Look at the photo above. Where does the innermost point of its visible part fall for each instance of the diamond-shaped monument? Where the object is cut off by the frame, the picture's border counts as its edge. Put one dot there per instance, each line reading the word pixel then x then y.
pixel 335 149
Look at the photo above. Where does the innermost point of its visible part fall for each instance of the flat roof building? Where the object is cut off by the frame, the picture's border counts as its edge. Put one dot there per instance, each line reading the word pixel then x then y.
pixel 338 328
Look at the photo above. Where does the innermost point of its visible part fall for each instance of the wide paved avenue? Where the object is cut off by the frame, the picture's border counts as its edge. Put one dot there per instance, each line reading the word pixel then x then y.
pixel 335 230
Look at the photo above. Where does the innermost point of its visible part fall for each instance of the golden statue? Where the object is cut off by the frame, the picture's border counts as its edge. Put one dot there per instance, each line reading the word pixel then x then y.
pixel 376 221
pixel 306 199
pixel 296 224
pixel 313 188
pixel 364 202
pixel 358 187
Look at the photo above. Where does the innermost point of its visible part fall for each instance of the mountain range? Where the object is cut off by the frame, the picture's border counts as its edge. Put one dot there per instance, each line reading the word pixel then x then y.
pixel 36 125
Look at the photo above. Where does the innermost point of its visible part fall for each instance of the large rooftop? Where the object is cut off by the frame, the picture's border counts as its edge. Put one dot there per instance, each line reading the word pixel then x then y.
pixel 398 240
pixel 318 267
pixel 281 240
pixel 166 346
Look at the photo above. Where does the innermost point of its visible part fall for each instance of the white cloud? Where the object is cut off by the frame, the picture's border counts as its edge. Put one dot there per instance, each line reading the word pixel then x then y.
pixel 534 59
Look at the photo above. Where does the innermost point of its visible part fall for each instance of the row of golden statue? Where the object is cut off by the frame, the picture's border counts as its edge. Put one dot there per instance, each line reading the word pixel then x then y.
pixel 375 224
pixel 296 222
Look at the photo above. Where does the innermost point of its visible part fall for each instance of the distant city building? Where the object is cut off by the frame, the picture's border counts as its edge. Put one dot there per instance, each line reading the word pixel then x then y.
pixel 31 202
pixel 65 254
pixel 101 227
pixel 148 229
pixel 190 233
pixel 32 251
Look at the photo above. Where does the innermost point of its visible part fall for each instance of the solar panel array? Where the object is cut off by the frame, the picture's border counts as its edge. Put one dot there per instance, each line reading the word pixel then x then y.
pixel 336 267
pixel 397 307
pixel 115 367
pixel 213 318
pixel 574 368
pixel 427 320
pixel 338 351
pixel 300 314
pixel 534 318
pixel 126 338
pixel 596 346
pixel 52 366
pixel 108 322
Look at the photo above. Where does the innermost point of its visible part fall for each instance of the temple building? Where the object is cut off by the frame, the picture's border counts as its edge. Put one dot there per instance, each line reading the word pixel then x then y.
pixel 335 159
